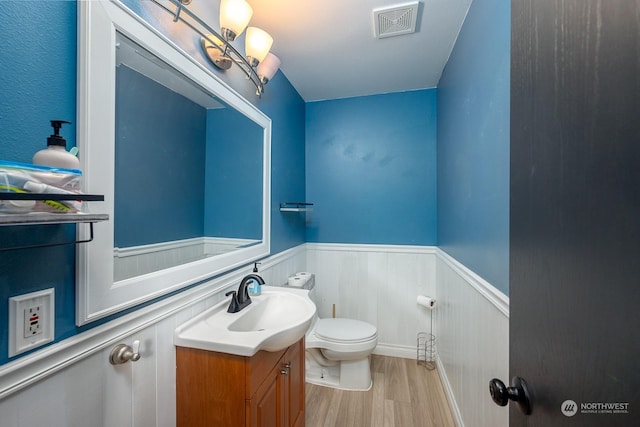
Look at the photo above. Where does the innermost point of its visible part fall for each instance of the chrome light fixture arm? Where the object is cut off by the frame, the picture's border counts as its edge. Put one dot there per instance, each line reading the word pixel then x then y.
pixel 211 39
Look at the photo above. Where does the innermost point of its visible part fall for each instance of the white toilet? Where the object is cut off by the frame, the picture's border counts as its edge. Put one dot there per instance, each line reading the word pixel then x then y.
pixel 338 350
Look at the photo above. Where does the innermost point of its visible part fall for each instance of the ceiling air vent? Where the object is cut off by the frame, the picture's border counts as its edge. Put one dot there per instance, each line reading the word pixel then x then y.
pixel 395 20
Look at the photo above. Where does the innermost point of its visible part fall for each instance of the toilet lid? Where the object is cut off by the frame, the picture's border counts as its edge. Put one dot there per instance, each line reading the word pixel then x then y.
pixel 345 330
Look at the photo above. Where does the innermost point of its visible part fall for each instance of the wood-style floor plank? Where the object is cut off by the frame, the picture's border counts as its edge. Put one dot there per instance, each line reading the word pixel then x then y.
pixel 377 399
pixel 389 416
pixel 396 385
pixel 404 394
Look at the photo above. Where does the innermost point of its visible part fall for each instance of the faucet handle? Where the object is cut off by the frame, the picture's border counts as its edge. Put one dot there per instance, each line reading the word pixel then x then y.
pixel 234 306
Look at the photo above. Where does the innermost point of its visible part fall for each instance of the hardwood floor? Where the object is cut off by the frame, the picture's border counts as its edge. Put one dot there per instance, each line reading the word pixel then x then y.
pixel 404 394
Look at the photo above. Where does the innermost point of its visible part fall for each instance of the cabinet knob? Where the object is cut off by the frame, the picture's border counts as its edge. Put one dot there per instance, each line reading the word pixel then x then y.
pixel 286 366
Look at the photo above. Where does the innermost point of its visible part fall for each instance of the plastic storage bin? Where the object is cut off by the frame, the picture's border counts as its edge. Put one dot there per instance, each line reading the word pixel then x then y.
pixel 27 178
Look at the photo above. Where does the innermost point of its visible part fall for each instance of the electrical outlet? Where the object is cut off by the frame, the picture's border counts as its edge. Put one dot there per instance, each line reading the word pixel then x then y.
pixel 31 321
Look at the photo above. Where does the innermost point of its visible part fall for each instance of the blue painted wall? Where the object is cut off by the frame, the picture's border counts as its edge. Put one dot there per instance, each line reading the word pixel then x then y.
pixel 35 88
pixel 473 144
pixel 371 169
pixel 29 103
pixel 159 134
pixel 233 173
pixel 286 109
pixel 219 188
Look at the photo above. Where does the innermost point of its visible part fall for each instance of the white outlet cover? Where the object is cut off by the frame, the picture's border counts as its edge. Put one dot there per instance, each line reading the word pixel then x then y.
pixel 18 343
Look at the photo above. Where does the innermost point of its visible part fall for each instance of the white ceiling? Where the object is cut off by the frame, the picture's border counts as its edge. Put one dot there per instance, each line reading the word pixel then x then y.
pixel 328 49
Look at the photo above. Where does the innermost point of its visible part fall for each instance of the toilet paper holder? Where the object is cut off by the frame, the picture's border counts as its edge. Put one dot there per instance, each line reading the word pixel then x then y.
pixel 426 350
pixel 426 341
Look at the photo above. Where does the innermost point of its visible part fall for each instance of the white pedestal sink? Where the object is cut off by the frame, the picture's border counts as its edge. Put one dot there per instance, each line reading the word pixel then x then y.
pixel 273 321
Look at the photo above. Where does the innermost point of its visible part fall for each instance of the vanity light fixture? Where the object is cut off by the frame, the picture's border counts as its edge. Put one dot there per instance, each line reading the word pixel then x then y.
pixel 268 68
pixel 257 45
pixel 234 18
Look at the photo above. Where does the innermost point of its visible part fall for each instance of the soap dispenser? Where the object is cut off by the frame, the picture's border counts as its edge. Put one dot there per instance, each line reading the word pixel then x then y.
pixel 56 154
pixel 254 288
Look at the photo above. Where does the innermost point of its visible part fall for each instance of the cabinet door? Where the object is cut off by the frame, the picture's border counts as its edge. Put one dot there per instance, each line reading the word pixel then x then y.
pixel 266 407
pixel 209 388
pixel 294 385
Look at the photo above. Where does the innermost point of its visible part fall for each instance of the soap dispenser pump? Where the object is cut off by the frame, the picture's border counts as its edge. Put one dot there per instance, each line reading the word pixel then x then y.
pixel 56 154
pixel 255 287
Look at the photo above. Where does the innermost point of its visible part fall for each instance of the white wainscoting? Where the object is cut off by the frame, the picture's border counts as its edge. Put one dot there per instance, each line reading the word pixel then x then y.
pixel 71 383
pixel 378 284
pixel 138 260
pixel 472 324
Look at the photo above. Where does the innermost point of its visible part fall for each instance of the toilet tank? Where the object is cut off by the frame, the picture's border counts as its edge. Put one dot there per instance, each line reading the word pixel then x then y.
pixel 310 284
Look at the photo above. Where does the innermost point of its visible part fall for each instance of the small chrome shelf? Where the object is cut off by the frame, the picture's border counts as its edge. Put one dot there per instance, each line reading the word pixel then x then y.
pixel 52 196
pixel 46 218
pixel 296 207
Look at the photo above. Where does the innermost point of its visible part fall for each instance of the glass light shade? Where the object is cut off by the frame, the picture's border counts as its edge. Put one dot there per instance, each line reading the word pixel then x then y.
pixel 235 15
pixel 268 67
pixel 257 43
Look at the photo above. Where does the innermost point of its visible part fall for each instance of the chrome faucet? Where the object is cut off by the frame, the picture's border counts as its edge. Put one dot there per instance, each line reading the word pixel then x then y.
pixel 241 299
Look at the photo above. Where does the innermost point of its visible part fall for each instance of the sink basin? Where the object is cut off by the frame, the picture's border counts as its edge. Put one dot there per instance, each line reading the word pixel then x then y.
pixel 272 322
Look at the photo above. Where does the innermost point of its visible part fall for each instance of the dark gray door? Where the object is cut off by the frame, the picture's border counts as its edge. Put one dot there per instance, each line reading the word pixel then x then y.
pixel 575 211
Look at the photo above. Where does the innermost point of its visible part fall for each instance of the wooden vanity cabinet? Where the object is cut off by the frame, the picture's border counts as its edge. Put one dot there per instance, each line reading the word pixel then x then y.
pixel 219 389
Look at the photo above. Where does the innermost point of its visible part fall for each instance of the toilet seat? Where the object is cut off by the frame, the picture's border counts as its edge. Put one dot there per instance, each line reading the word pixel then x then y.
pixel 345 330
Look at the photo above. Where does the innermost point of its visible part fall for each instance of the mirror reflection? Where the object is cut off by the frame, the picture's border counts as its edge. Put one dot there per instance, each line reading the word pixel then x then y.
pixel 188 174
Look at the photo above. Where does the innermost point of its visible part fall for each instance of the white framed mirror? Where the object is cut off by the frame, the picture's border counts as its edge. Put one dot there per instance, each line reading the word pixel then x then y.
pixel 182 160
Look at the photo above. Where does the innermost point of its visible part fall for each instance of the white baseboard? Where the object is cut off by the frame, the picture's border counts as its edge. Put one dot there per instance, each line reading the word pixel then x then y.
pixel 392 350
pixel 448 391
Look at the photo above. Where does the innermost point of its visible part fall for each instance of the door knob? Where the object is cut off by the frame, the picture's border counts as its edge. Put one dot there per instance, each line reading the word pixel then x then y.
pixel 518 392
